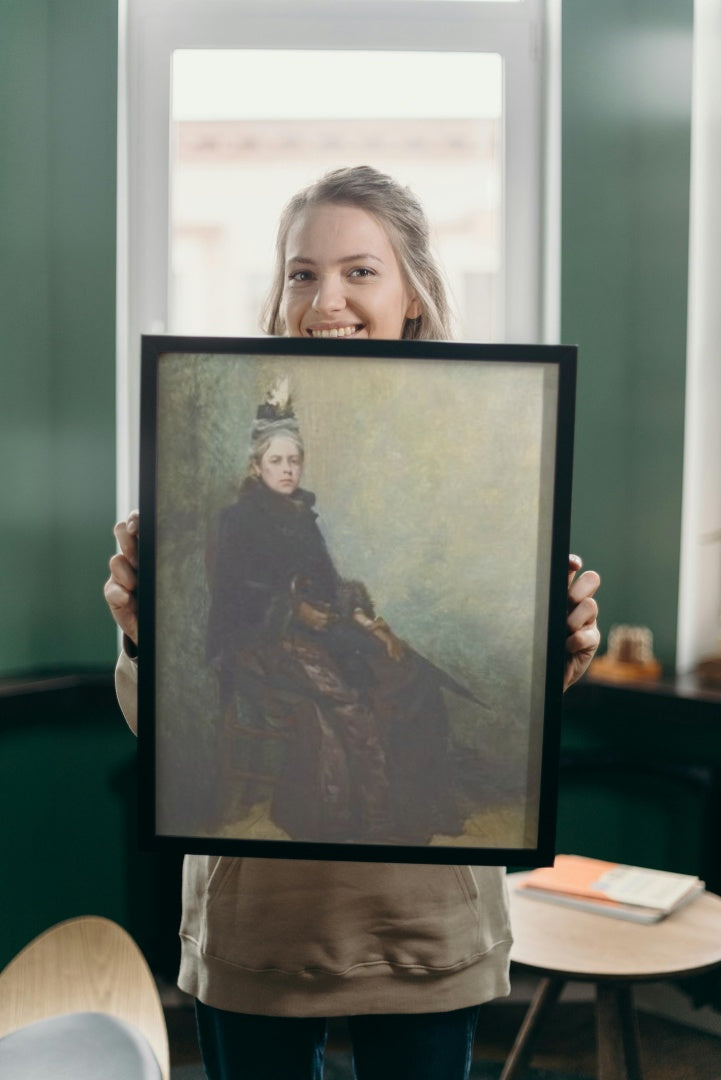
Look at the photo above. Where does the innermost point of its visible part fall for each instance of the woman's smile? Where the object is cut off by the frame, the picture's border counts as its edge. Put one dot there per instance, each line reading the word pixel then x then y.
pixel 335 331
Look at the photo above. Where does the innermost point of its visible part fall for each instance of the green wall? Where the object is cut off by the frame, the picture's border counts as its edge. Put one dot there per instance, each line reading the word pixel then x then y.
pixel 58 71
pixel 68 804
pixel 625 167
pixel 67 761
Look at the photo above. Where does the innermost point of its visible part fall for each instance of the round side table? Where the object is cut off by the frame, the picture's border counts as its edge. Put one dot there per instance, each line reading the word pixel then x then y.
pixel 563 944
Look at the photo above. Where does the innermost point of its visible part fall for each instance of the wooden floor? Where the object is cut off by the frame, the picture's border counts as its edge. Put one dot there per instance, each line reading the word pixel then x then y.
pixel 567 1042
pixel 669 1051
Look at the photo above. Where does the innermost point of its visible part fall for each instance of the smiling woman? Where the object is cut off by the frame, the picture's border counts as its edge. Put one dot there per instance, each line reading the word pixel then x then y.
pixel 353 259
pixel 331 292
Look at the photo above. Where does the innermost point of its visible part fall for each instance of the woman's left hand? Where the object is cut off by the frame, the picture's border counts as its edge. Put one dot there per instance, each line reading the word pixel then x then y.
pixel 583 635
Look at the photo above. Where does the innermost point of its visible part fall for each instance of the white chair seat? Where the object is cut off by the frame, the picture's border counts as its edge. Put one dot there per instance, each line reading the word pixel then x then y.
pixel 78 1046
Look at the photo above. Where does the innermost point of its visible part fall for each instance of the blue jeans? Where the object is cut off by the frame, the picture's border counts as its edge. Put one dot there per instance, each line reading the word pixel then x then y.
pixel 414 1046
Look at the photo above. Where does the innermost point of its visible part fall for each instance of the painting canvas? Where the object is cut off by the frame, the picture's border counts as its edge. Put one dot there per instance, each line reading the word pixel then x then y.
pixel 352 595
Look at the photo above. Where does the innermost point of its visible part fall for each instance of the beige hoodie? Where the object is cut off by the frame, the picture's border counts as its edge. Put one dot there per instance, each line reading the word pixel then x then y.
pixel 284 937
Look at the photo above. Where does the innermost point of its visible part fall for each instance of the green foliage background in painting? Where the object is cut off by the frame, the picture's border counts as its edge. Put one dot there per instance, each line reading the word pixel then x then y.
pixel 429 478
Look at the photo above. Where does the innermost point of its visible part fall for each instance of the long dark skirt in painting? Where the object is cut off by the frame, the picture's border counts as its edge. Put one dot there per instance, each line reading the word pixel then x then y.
pixel 361 739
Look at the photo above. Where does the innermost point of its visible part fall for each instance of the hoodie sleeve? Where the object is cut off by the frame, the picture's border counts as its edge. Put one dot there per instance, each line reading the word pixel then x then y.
pixel 126 688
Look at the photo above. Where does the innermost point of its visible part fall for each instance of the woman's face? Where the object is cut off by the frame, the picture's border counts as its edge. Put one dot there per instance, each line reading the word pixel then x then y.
pixel 281 466
pixel 342 277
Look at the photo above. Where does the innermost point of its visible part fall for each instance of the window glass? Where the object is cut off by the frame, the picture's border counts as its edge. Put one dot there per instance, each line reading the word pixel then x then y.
pixel 238 154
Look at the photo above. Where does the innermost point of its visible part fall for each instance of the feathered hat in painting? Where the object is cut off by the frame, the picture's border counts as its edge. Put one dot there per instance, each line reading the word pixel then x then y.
pixel 275 415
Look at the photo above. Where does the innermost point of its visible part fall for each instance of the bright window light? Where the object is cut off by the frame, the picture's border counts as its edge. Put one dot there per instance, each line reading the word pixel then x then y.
pixel 222 84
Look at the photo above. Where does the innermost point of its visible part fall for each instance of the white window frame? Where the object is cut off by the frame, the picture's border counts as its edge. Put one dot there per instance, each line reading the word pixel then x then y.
pixel 526 34
pixel 699 597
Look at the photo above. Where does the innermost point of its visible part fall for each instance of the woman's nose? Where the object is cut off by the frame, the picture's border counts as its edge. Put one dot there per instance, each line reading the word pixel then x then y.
pixel 329 295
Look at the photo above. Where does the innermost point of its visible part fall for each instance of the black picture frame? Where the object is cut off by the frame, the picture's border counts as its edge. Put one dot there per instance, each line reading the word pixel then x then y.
pixel 443 480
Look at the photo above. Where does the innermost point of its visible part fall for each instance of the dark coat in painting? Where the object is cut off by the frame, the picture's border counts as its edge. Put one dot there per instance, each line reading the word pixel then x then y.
pixel 366 735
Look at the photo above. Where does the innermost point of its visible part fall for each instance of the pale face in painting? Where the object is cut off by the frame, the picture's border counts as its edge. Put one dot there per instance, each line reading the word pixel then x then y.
pixel 281 466
pixel 342 277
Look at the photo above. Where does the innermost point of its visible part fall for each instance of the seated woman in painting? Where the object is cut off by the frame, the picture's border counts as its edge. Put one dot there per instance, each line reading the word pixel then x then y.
pixel 364 713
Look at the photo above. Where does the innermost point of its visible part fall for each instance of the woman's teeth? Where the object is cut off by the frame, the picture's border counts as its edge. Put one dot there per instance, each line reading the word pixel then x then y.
pixel 337 331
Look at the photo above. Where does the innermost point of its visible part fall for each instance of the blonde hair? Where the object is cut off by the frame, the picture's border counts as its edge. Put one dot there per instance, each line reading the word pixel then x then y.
pixel 403 217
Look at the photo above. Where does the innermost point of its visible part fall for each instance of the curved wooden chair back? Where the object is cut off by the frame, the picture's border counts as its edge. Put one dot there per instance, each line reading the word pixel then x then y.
pixel 87 964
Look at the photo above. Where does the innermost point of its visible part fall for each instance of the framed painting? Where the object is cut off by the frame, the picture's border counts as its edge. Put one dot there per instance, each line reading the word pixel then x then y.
pixel 352 597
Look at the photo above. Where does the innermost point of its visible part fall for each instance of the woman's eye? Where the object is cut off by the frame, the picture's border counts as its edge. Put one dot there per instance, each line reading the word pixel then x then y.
pixel 362 272
pixel 300 276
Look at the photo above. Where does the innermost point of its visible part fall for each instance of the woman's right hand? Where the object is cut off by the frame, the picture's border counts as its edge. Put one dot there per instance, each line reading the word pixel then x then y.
pixel 121 587
pixel 315 618
pixel 394 647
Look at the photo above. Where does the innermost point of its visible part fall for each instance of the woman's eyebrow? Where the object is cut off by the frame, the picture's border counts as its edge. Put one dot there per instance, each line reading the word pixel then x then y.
pixel 361 257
